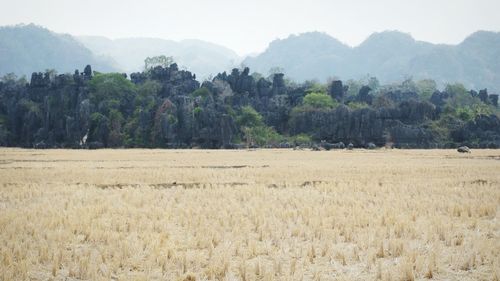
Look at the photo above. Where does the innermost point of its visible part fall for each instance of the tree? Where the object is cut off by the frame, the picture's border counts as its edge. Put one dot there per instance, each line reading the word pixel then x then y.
pixel 319 100
pixel 254 129
pixel 315 87
pixel 456 89
pixel 261 135
pixel 408 85
pixel 249 117
pixel 425 88
pixel 112 90
pixel 146 94
pixel 99 128
pixel 152 62
pixel 460 97
pixel 357 105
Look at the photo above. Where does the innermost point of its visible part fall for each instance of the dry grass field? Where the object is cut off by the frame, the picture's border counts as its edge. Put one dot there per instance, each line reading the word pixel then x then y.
pixel 249 215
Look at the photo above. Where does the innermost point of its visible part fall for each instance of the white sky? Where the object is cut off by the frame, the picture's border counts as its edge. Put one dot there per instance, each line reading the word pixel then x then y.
pixel 248 26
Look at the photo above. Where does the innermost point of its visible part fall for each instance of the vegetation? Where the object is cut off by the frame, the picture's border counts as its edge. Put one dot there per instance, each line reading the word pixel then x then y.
pixel 255 132
pixel 357 105
pixel 213 215
pixel 319 101
pixel 152 62
pixel 167 107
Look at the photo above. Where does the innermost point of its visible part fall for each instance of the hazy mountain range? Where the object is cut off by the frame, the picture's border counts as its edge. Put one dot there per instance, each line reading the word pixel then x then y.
pixel 202 58
pixel 390 56
pixel 28 48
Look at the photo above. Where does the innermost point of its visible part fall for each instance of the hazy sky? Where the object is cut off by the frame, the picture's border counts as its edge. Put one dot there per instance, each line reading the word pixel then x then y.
pixel 248 26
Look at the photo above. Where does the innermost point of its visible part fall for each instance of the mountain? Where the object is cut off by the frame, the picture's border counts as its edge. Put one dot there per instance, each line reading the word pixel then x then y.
pixel 390 56
pixel 387 54
pixel 200 57
pixel 25 49
pixel 316 52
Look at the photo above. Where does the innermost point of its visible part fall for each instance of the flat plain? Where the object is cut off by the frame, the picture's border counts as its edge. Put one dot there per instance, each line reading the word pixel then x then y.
pixel 143 214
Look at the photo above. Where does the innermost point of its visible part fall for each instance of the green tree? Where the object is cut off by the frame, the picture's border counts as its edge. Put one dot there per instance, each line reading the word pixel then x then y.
pixel 261 135
pixel 315 87
pixel 254 129
pixel 457 89
pixel 461 98
pixel 249 117
pixel 146 93
pixel 152 62
pixel 357 105
pixel 319 100
pixel 301 139
pixel 110 86
pixel 112 91
pixel 99 128
pixel 425 88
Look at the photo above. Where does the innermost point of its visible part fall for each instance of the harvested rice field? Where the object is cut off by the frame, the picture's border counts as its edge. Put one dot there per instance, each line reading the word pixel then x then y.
pixel 142 214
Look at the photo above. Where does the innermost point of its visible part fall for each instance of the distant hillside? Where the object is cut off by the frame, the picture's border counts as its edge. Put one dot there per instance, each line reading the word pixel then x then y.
pixel 390 56
pixel 315 53
pixel 200 57
pixel 29 48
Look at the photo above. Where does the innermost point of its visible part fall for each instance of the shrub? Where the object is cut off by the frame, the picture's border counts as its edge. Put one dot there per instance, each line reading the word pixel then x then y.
pixel 262 135
pixel 249 117
pixel 357 105
pixel 301 139
pixel 197 112
pixel 319 100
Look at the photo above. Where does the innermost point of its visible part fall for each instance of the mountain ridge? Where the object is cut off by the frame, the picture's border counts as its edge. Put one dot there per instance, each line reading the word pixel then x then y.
pixel 201 57
pixel 390 56
pixel 30 48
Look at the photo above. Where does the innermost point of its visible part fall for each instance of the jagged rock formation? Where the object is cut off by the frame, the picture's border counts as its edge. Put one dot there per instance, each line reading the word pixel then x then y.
pixel 167 107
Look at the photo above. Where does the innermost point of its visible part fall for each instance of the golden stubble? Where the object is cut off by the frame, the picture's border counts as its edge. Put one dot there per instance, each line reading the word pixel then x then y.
pixel 249 215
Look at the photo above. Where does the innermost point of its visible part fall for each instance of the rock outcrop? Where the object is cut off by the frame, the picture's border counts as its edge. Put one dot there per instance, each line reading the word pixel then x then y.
pixel 167 107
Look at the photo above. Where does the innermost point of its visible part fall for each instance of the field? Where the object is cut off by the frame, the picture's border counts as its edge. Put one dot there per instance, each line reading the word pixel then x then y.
pixel 249 215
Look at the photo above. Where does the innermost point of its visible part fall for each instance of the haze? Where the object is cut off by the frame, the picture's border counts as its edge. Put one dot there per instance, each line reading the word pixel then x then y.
pixel 248 26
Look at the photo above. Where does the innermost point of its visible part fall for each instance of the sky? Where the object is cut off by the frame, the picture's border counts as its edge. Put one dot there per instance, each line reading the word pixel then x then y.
pixel 249 26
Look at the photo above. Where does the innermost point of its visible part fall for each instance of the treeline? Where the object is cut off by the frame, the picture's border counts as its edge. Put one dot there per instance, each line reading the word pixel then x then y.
pixel 168 108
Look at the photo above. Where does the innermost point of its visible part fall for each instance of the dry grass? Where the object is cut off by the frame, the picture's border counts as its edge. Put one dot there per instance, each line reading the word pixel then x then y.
pixel 249 215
